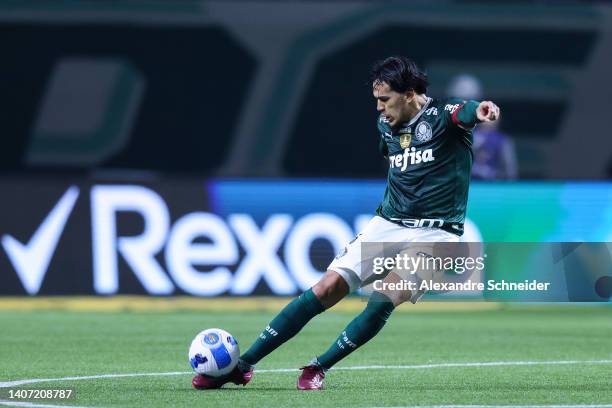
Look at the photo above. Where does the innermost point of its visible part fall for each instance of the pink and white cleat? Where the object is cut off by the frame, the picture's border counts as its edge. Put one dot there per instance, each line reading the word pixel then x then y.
pixel 237 376
pixel 311 378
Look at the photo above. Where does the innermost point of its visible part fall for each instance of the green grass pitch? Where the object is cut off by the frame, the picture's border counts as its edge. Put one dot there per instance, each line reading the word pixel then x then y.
pixel 53 343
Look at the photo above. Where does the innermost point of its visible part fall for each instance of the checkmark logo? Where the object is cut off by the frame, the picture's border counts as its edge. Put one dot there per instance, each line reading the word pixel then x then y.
pixel 32 259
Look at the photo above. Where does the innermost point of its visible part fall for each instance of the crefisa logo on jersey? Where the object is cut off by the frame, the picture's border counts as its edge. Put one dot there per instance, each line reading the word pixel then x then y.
pixel 410 156
pixel 423 132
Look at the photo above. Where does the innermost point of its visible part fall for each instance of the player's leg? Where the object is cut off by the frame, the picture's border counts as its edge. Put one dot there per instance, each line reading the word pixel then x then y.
pixel 360 330
pixel 357 333
pixel 373 318
pixel 341 278
pixel 419 243
pixel 324 294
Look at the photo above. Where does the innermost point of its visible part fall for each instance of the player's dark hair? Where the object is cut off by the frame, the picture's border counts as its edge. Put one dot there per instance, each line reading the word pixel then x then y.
pixel 401 74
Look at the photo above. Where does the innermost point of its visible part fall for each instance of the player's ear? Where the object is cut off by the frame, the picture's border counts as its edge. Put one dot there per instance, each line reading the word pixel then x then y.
pixel 409 95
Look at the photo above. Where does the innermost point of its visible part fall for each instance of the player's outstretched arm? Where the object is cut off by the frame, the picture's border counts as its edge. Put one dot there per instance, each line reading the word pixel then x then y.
pixel 487 111
pixel 472 112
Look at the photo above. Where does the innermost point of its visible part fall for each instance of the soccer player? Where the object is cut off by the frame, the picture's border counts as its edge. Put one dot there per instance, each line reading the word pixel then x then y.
pixel 427 142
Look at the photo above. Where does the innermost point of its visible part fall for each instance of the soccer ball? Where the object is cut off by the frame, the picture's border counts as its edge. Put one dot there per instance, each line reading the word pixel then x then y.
pixel 214 353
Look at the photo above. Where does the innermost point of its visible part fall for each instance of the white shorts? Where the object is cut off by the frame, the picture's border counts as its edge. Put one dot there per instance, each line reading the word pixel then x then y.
pixel 349 262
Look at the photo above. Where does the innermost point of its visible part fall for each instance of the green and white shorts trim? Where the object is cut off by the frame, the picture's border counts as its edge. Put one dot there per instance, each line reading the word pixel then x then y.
pixel 348 263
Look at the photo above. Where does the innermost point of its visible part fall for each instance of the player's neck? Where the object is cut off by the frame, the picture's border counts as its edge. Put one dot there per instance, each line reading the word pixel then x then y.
pixel 415 106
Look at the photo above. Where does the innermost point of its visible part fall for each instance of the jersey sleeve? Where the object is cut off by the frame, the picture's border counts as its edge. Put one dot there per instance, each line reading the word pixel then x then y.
pixel 462 113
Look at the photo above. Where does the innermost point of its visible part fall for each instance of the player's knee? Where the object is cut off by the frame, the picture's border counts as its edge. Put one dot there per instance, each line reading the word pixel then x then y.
pixel 398 297
pixel 330 289
pixel 404 296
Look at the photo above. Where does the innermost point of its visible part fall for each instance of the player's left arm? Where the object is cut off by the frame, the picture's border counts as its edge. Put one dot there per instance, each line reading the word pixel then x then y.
pixel 472 112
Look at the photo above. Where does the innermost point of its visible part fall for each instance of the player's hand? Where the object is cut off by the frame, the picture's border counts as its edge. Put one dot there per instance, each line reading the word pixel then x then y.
pixel 487 111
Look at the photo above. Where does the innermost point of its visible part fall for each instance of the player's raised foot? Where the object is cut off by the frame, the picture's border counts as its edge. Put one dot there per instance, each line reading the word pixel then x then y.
pixel 237 377
pixel 312 378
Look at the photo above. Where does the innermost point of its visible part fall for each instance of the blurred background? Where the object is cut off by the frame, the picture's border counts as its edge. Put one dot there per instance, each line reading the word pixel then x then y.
pixel 230 148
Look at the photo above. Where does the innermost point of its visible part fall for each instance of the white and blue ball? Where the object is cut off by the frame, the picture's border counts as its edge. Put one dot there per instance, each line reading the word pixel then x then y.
pixel 214 352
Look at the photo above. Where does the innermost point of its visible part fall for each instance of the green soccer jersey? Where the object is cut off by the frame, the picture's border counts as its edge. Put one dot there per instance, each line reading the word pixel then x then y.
pixel 430 162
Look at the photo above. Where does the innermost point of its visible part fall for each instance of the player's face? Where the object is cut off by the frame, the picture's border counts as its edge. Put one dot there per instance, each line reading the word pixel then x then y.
pixel 393 105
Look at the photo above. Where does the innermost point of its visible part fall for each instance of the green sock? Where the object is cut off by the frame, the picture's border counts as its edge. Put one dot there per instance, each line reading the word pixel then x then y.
pixel 284 326
pixel 359 331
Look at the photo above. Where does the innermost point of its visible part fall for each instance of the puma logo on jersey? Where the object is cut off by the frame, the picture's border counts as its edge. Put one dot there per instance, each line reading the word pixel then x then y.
pixel 410 156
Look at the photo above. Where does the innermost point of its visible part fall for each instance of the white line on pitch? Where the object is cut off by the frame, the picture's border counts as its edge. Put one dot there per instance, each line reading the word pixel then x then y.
pixel 286 370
